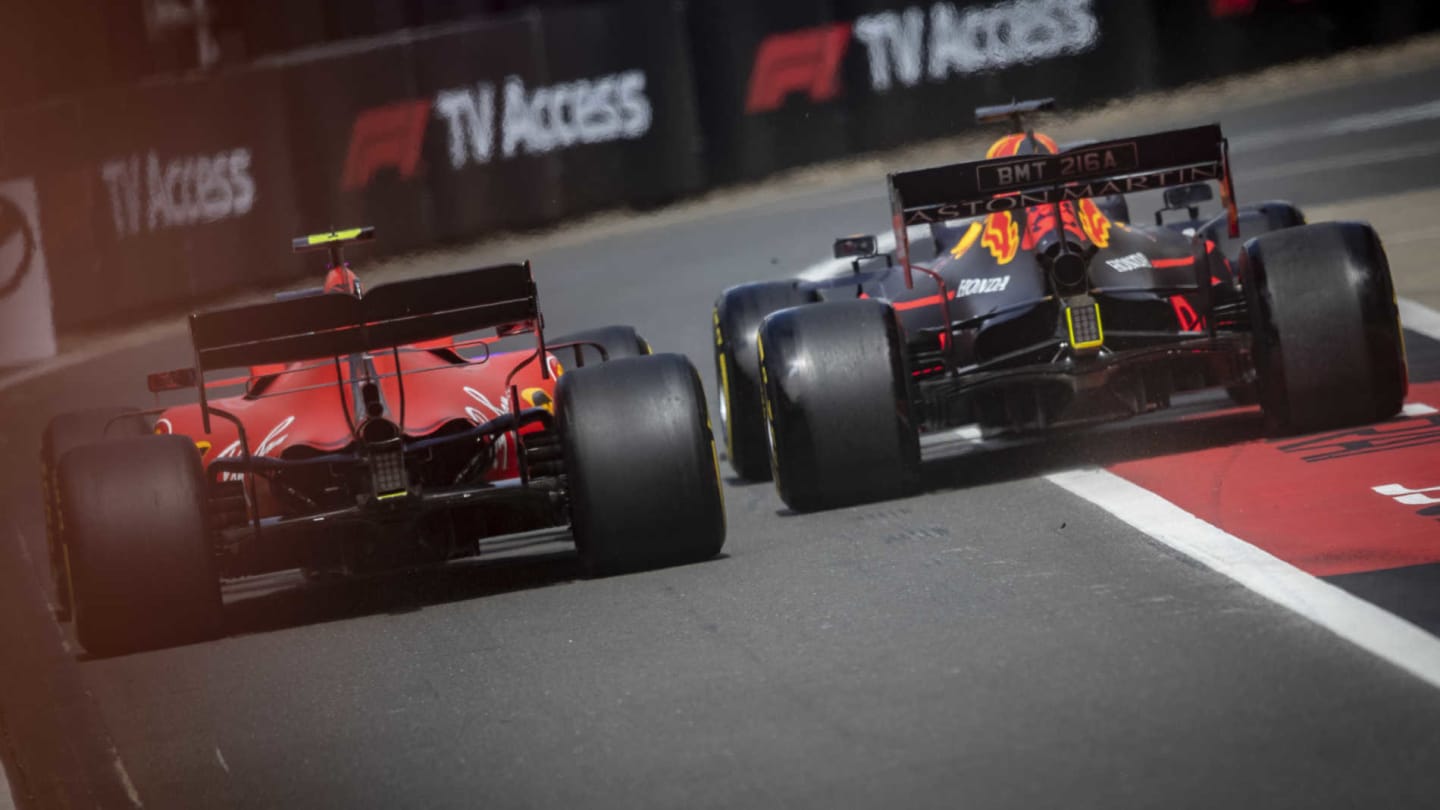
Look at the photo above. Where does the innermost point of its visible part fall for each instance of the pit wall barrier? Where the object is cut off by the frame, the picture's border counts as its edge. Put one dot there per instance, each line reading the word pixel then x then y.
pixel 169 194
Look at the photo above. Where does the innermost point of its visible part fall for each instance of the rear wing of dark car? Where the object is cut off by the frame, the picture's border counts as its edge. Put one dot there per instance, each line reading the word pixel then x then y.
pixel 391 315
pixel 1143 163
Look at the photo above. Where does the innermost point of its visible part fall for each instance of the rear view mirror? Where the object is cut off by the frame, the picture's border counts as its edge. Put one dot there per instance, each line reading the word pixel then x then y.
pixel 855 247
pixel 172 380
pixel 1188 196
pixel 1185 198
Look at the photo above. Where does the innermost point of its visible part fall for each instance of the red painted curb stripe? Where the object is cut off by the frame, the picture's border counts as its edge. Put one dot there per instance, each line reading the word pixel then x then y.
pixel 1312 500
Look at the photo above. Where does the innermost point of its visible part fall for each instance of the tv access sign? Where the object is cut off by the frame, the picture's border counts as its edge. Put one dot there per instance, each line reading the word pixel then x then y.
pixel 484 123
pixel 918 44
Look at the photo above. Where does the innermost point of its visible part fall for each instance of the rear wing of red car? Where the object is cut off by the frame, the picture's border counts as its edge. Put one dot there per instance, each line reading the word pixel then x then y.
pixel 390 315
pixel 1144 163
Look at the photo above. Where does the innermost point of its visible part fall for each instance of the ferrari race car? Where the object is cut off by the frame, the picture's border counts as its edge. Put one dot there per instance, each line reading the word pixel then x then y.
pixel 1045 307
pixel 362 440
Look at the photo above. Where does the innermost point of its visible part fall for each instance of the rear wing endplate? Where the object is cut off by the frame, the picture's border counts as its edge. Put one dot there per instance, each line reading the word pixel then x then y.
pixel 388 316
pixel 1143 163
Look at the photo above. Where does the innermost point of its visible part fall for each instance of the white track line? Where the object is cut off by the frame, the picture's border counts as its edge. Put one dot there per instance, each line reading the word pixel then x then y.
pixel 124 776
pixel 1371 121
pixel 1419 318
pixel 1349 617
pixel 92 350
pixel 7 797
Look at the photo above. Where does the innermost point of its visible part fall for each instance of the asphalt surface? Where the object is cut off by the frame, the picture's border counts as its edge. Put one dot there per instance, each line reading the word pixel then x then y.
pixel 993 642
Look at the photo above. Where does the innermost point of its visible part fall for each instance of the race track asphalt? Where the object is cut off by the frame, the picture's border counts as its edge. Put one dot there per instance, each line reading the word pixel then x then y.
pixel 995 641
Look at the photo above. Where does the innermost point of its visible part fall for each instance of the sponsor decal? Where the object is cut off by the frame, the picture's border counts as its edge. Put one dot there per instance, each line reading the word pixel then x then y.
pixel 1095 224
pixel 27 331
pixel 484 123
pixel 272 440
pixel 1044 219
pixel 502 446
pixel 907 47
pixel 1068 193
pixel 152 192
pixel 967 240
pixel 1023 172
pixel 942 42
pixel 1002 236
pixel 979 286
pixel 1427 498
pixel 610 108
pixel 804 61
pixel 385 137
pixel 1381 438
pixel 1126 264
pixel 17 247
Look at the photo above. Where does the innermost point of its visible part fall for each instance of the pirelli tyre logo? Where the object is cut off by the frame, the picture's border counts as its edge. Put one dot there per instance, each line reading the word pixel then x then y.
pixel 484 123
pixel 919 44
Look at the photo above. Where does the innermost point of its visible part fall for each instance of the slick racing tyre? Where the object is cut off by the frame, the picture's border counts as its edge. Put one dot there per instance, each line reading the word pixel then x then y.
pixel 640 462
pixel 737 316
pixel 618 342
pixel 65 433
pixel 1255 220
pixel 142 567
pixel 837 404
pixel 1327 343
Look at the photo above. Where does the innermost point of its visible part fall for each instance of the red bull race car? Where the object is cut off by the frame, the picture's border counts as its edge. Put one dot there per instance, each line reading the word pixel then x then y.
pixel 1029 301
pixel 365 437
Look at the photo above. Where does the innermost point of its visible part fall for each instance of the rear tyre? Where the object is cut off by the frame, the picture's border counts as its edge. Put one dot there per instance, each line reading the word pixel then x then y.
pixel 1327 343
pixel 1255 220
pixel 640 461
pixel 618 341
pixel 66 432
pixel 142 566
pixel 838 404
pixel 737 316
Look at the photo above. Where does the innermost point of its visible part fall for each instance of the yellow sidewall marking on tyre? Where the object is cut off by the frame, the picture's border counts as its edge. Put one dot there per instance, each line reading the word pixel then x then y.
pixel 724 385
pixel 765 405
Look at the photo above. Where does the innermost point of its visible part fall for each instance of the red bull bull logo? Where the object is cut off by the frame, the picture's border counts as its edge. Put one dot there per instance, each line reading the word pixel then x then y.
pixel 1095 223
pixel 1002 236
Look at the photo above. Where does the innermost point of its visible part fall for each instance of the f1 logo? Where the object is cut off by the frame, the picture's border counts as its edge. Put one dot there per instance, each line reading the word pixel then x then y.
pixel 386 137
pixel 806 61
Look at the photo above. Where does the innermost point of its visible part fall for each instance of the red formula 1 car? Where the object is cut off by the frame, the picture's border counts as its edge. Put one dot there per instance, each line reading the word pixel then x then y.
pixel 1038 304
pixel 363 440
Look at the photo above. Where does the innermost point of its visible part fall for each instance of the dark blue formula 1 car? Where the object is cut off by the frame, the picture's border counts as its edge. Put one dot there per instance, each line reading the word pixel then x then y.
pixel 1042 306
